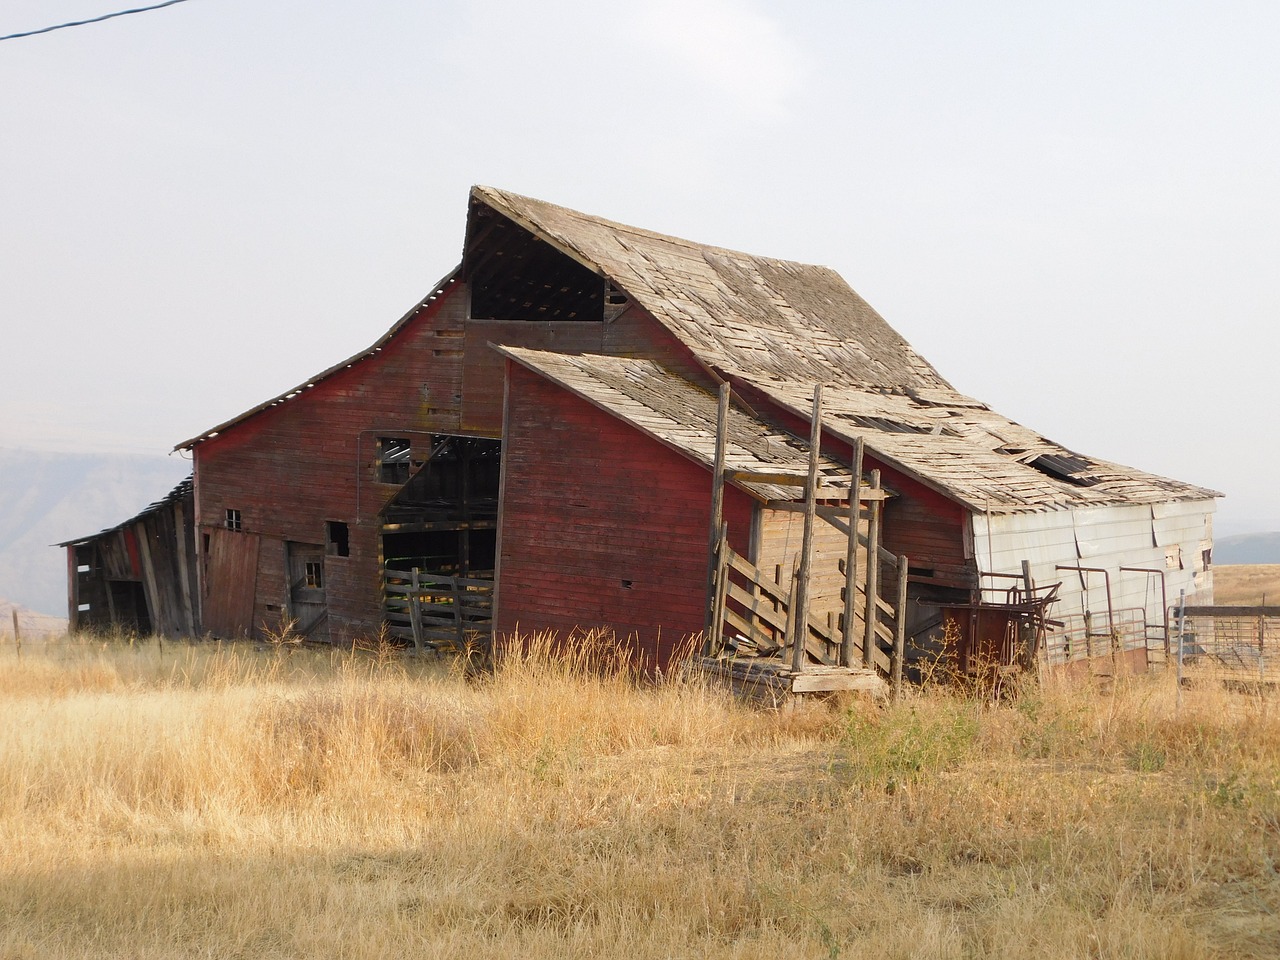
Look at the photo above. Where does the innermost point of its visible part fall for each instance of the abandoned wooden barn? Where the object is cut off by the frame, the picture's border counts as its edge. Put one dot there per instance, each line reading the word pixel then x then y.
pixel 545 421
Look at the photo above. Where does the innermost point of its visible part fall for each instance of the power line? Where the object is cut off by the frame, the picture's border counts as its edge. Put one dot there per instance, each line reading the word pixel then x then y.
pixel 81 23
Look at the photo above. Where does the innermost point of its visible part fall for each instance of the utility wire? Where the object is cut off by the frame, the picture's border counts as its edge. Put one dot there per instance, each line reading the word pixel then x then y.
pixel 81 23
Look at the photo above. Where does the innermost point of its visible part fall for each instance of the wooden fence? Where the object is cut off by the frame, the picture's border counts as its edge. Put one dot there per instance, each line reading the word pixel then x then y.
pixel 436 611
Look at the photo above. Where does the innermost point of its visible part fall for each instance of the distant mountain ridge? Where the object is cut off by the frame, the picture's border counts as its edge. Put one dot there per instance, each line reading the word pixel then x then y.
pixel 1247 548
pixel 46 498
pixel 30 623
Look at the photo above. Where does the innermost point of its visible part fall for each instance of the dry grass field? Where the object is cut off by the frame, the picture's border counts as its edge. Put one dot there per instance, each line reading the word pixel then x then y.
pixel 1247 584
pixel 207 801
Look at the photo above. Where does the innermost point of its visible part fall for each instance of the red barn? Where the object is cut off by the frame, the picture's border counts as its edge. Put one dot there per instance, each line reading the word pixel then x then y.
pixel 545 420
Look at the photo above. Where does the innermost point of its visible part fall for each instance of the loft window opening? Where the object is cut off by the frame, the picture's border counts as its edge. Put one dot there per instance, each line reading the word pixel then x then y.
pixel 514 275
pixel 394 459
pixel 233 520
pixel 313 574
pixel 337 538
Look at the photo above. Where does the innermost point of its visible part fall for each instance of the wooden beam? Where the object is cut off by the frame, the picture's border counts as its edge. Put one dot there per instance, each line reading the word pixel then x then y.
pixel 806 543
pixel 873 576
pixel 851 558
pixel 717 512
pixel 900 627
pixel 1222 611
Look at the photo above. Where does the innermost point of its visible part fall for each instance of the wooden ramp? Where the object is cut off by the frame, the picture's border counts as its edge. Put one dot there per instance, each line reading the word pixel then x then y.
pixel 771 681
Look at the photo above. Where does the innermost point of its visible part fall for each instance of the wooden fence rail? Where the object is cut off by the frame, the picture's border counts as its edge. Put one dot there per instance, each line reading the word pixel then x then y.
pixel 436 611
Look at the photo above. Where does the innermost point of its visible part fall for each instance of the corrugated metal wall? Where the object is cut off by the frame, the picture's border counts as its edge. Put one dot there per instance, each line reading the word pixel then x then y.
pixel 1173 537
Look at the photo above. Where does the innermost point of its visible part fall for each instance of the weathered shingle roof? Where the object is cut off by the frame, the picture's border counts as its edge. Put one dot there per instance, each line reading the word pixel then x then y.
pixel 737 312
pixel 683 417
pixel 972 454
pixel 182 491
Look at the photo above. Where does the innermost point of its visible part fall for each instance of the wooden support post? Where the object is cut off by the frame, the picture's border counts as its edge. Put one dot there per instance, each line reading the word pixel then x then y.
pixel 459 623
pixel 851 558
pixel 415 616
pixel 792 622
pixel 717 511
pixel 716 637
pixel 17 635
pixel 900 627
pixel 806 545
pixel 873 577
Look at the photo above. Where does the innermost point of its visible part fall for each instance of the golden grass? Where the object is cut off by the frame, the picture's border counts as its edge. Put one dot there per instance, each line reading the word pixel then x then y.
pixel 1247 584
pixel 206 801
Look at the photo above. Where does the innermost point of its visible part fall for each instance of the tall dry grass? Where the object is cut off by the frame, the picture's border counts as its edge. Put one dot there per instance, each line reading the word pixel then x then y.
pixel 216 801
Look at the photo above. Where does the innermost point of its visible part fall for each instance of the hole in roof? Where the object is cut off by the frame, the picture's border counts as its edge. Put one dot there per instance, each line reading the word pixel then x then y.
pixel 1066 467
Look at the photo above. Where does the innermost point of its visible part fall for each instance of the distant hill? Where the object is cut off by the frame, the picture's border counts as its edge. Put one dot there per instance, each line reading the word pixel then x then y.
pixel 46 498
pixel 1247 548
pixel 30 623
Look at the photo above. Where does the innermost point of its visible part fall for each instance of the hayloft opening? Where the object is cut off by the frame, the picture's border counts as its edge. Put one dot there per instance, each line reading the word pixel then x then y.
pixel 514 275
pixel 445 519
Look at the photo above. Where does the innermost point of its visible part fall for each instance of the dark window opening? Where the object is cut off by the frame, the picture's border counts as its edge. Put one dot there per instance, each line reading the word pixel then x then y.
pixel 394 459
pixel 451 553
pixel 233 519
pixel 313 575
pixel 337 538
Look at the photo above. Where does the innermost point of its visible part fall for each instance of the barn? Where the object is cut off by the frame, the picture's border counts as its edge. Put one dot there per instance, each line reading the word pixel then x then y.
pixel 541 443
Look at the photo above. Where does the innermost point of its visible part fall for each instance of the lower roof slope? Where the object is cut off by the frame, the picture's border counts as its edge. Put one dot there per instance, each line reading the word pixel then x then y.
pixel 970 453
pixel 683 417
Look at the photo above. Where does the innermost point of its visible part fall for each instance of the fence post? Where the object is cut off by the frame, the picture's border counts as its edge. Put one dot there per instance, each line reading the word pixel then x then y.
pixel 17 636
pixel 851 557
pixel 415 619
pixel 900 627
pixel 1182 622
pixel 873 576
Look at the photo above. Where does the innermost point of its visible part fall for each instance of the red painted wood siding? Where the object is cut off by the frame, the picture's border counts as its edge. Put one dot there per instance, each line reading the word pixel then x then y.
pixel 313 458
pixel 310 459
pixel 925 526
pixel 602 526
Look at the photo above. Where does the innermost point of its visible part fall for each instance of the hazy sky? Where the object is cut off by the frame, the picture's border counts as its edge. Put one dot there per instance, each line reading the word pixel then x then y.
pixel 1072 209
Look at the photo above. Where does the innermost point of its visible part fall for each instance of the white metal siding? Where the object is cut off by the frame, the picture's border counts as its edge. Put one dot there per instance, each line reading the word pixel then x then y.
pixel 1138 535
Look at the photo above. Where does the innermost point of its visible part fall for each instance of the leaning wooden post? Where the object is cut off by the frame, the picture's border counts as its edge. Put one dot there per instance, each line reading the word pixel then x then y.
pixel 851 558
pixel 17 637
pixel 806 545
pixel 873 575
pixel 715 639
pixel 415 607
pixel 717 515
pixel 900 627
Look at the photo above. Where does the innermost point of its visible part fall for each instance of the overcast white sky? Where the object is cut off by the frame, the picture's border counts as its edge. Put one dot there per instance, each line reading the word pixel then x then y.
pixel 1072 209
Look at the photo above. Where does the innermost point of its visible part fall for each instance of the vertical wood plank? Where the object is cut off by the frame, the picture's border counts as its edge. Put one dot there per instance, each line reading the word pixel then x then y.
pixel 73 591
pixel 806 547
pixel 180 545
pixel 159 622
pixel 717 511
pixel 900 627
pixel 873 576
pixel 851 558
